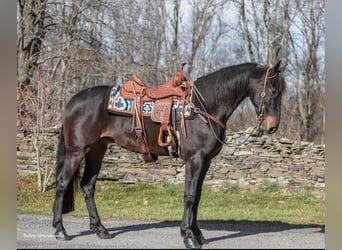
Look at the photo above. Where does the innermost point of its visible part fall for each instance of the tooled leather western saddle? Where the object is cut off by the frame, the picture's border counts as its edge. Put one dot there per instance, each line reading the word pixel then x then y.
pixel 175 90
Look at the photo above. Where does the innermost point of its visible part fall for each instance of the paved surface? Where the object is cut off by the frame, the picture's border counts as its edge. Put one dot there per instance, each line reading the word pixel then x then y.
pixel 36 232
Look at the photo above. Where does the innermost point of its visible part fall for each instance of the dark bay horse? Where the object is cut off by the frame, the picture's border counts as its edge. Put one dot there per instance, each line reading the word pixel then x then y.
pixel 87 129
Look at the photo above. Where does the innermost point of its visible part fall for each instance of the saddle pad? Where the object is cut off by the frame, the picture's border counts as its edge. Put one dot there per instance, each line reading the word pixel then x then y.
pixel 117 104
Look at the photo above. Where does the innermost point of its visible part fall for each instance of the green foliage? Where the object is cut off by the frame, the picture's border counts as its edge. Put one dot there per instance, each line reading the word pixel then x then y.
pixel 170 188
pixel 305 194
pixel 269 187
pixel 231 188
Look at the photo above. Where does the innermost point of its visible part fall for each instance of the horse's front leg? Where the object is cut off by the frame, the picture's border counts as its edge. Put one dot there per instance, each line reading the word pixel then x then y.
pixel 195 172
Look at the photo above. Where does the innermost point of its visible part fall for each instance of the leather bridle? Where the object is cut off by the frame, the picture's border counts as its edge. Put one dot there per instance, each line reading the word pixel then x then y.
pixel 203 113
pixel 261 116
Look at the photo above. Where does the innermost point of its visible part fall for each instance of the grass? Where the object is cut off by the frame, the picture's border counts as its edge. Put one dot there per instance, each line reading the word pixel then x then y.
pixel 164 201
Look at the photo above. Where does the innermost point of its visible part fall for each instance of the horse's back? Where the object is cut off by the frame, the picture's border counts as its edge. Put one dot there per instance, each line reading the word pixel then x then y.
pixel 91 95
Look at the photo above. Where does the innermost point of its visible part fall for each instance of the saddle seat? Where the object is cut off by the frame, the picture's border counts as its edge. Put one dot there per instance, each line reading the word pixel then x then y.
pixel 175 88
pixel 140 82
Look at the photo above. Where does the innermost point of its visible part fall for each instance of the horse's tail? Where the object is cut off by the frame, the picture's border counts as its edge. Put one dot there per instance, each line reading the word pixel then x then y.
pixel 69 195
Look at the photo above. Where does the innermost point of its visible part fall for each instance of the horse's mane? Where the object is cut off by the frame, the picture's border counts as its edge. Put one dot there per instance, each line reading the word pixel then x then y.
pixel 227 82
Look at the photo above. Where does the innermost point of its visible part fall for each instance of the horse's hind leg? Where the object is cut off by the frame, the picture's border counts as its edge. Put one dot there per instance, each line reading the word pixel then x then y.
pixel 64 197
pixel 92 167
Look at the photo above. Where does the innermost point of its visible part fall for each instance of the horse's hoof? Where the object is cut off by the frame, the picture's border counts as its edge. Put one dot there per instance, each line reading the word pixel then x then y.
pixel 103 234
pixel 62 235
pixel 191 243
pixel 101 231
pixel 201 240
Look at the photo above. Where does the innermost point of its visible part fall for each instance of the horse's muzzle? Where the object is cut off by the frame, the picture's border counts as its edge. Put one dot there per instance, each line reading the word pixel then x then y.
pixel 272 124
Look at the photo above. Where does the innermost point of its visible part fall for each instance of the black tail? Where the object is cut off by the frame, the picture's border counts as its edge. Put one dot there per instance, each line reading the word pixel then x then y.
pixel 69 195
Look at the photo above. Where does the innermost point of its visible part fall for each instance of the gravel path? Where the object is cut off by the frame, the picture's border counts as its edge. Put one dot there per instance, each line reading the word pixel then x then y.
pixel 37 232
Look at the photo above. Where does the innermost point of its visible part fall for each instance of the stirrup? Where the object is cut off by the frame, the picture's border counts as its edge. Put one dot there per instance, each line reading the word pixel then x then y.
pixel 160 137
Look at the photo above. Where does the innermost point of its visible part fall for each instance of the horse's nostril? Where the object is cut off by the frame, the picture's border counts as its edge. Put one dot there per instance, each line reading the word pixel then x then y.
pixel 272 130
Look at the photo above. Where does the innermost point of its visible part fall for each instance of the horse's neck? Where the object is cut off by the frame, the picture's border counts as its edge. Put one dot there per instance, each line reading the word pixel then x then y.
pixel 225 102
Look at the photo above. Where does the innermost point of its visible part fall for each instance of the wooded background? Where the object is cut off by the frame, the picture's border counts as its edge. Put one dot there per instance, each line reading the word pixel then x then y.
pixel 65 46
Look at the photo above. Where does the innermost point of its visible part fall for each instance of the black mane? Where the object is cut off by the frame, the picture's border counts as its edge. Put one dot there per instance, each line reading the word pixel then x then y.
pixel 226 84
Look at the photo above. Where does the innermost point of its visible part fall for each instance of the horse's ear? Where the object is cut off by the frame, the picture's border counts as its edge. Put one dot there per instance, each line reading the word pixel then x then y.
pixel 182 66
pixel 278 68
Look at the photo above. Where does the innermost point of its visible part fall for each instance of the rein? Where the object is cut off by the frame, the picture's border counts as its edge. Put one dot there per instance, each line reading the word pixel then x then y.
pixel 204 113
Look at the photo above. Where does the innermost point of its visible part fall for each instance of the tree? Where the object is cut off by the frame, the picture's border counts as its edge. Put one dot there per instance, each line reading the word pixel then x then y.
pixel 31 32
pixel 32 108
pixel 265 29
pixel 75 44
pixel 309 79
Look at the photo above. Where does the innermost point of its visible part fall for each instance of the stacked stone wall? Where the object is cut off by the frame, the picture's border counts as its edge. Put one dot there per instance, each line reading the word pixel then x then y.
pixel 246 161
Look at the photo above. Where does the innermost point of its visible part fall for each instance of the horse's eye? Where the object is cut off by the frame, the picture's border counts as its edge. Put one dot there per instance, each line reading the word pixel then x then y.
pixel 274 92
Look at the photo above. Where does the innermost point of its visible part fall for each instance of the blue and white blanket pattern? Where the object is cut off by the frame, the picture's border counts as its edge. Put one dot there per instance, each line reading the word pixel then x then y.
pixel 119 105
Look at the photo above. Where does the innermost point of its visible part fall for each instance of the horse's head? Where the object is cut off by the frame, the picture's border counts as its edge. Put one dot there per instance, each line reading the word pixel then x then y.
pixel 266 88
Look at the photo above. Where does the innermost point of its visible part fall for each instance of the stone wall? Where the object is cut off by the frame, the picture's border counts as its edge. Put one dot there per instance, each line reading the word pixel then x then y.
pixel 245 161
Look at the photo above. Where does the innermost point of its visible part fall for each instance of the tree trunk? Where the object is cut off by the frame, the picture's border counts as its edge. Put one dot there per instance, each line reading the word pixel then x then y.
pixel 31 34
pixel 198 31
pixel 246 31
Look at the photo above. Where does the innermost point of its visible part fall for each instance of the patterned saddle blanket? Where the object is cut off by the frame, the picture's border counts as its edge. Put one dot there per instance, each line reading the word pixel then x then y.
pixel 117 104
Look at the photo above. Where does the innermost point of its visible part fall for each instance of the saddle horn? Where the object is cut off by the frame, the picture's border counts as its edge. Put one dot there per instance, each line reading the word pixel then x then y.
pixel 180 76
